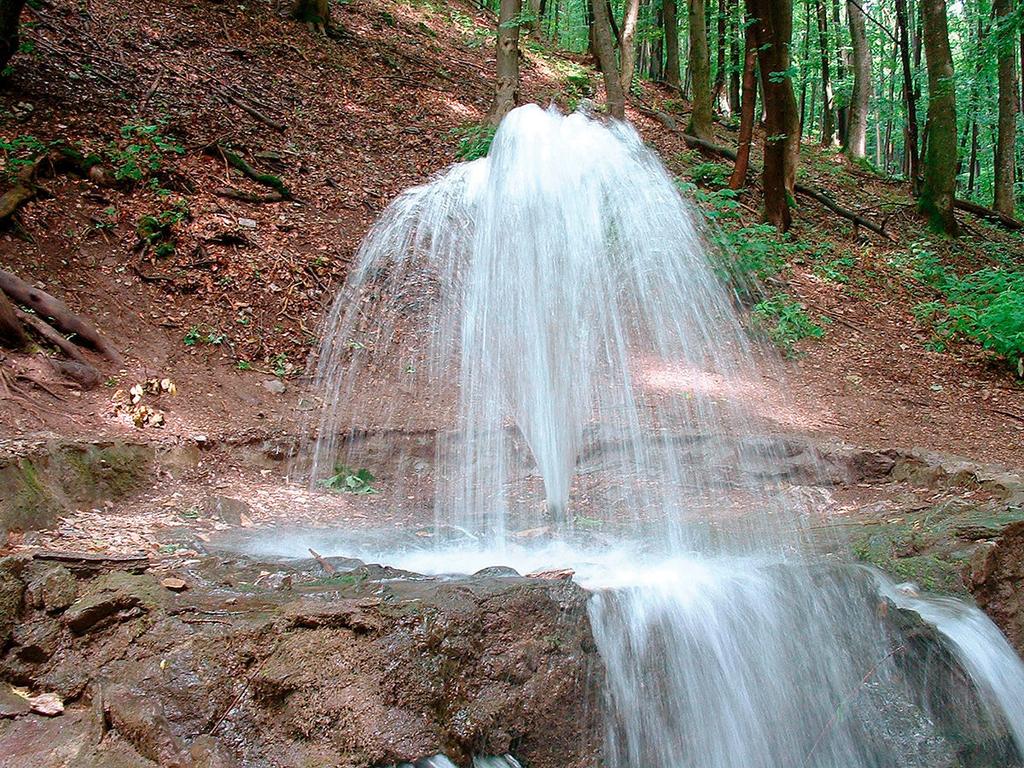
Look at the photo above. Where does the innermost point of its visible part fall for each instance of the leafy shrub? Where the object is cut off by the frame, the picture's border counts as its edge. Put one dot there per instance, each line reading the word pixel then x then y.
pixel 350 480
pixel 157 230
pixel 474 140
pixel 140 151
pixel 786 321
pixel 985 306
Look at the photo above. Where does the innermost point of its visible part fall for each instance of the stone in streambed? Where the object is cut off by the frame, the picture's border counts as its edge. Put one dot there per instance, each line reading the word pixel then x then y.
pixel 11 704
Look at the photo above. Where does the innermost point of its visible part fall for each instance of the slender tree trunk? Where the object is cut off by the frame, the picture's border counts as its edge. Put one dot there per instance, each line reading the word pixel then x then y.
pixel 774 29
pixel 10 15
pixel 842 65
pixel 719 96
pixel 857 120
pixel 828 114
pixel 627 44
pixel 656 68
pixel 604 50
pixel 972 163
pixel 913 164
pixel 671 22
pixel 1006 140
pixel 536 11
pixel 734 60
pixel 739 173
pixel 506 92
pixel 700 69
pixel 936 201
pixel 804 75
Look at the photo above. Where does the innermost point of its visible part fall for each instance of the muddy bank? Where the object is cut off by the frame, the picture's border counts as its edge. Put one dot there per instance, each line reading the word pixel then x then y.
pixel 257 664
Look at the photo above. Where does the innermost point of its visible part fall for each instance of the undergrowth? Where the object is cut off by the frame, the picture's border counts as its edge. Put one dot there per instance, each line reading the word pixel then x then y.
pixel 749 257
pixel 474 140
pixel 985 306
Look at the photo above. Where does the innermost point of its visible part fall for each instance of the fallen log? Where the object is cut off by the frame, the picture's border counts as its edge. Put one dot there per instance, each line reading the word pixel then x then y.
pixel 989 214
pixel 48 306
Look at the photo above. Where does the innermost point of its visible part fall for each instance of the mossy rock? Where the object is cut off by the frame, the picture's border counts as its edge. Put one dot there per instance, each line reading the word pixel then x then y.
pixel 36 489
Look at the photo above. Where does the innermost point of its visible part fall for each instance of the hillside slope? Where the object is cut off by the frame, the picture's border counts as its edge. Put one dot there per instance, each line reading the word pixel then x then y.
pixel 223 295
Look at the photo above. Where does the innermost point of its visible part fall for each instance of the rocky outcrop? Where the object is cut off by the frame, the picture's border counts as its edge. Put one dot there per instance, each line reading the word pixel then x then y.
pixel 995 576
pixel 327 671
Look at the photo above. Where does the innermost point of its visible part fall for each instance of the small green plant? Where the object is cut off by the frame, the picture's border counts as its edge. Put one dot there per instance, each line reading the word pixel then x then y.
pixel 140 151
pixel 710 174
pixel 197 335
pixel 280 364
pixel 157 230
pixel 350 480
pixel 786 321
pixel 19 152
pixel 474 140
pixel 243 365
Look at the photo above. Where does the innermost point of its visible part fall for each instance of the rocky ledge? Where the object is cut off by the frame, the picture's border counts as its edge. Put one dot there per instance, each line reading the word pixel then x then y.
pixel 242 663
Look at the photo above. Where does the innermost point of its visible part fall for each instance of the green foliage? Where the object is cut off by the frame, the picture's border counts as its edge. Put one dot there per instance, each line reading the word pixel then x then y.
pixel 197 335
pixel 19 152
pixel 474 140
pixel 350 480
pixel 710 174
pixel 786 322
pixel 985 306
pixel 158 230
pixel 521 19
pixel 140 151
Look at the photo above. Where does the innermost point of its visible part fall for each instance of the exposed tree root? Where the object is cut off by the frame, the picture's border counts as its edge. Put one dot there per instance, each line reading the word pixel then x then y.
pixel 246 197
pixel 47 306
pixel 238 162
pixel 11 332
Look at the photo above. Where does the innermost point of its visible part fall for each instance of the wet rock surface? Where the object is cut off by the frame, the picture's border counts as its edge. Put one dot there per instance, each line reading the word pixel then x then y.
pixel 271 664
pixel 996 577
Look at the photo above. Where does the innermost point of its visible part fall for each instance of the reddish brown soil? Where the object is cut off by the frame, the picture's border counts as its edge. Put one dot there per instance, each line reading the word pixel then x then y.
pixel 369 112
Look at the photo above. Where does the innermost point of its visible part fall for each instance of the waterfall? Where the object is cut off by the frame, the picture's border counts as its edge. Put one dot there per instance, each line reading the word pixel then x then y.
pixel 549 316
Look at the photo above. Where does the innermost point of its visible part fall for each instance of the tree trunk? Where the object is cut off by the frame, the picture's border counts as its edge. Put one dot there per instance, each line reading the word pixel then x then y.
pixel 739 173
pixel 700 70
pixel 828 113
pixel 671 22
pixel 774 30
pixel 314 12
pixel 857 120
pixel 10 14
pixel 972 161
pixel 936 200
pixel 537 12
pixel 604 49
pixel 1006 140
pixel 506 90
pixel 734 60
pixel 842 64
pixel 719 96
pixel 910 97
pixel 627 44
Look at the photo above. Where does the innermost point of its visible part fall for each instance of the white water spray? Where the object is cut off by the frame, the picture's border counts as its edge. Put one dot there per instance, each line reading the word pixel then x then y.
pixel 546 318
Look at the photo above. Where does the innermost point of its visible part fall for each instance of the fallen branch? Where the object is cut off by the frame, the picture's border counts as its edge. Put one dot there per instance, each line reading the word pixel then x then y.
pixel 24 189
pixel 988 214
pixel 330 569
pixel 48 306
pixel 801 189
pixel 250 110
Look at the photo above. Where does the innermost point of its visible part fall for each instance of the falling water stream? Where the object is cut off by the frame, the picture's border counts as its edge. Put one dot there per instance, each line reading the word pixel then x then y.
pixel 549 316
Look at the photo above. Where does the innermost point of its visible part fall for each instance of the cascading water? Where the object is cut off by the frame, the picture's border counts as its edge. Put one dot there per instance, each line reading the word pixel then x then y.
pixel 547 315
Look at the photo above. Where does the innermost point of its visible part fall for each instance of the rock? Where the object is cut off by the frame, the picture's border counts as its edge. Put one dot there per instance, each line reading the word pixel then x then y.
pixel 208 752
pixel 174 584
pixel 12 592
pixel 11 704
pixel 555 574
pixel 113 595
pixel 497 570
pixel 274 386
pixel 141 721
pixel 36 641
pixel 247 223
pixel 227 509
pixel 53 589
pixel 996 573
pixel 48 704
